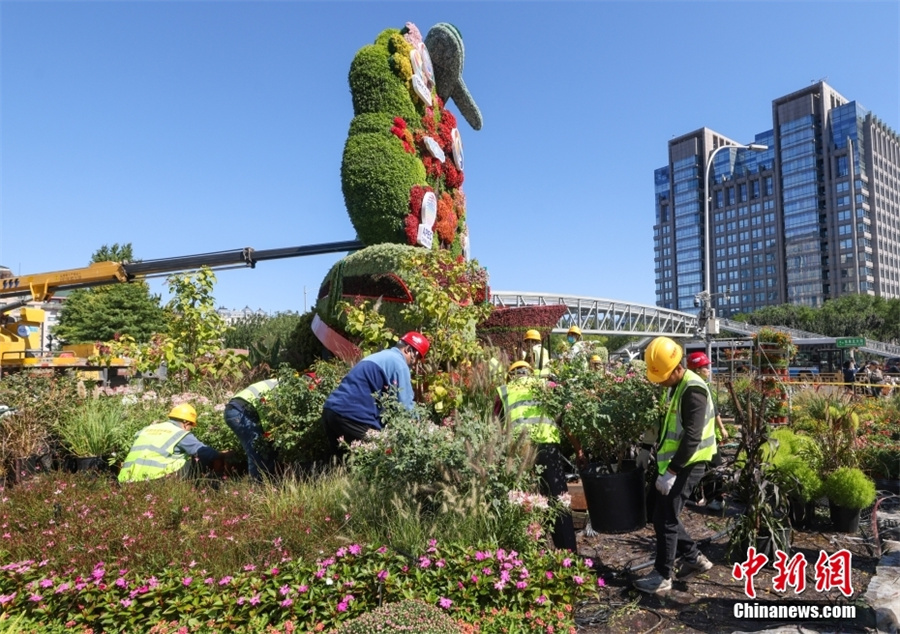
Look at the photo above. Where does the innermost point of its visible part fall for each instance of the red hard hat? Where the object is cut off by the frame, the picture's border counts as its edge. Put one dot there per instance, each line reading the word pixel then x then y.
pixel 418 341
pixel 697 360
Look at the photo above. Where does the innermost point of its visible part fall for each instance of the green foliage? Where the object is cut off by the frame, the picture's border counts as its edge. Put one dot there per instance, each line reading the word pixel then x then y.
pixel 94 429
pixel 193 349
pixel 447 304
pixel 366 325
pixel 847 316
pixel 376 178
pixel 408 615
pixel 375 87
pixel 800 479
pixel 101 313
pixel 291 412
pixel 265 336
pixel 41 402
pixel 302 347
pixel 606 412
pixel 831 420
pixel 850 488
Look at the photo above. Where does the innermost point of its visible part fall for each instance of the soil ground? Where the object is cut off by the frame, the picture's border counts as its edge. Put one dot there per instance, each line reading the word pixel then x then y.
pixel 704 602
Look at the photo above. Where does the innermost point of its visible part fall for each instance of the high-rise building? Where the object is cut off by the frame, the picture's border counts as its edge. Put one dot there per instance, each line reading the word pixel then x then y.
pixel 813 216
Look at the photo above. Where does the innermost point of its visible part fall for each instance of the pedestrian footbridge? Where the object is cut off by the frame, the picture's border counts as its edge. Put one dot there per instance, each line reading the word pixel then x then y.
pixel 598 316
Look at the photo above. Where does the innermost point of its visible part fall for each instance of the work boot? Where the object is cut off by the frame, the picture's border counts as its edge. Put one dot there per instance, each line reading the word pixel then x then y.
pixel 690 567
pixel 654 583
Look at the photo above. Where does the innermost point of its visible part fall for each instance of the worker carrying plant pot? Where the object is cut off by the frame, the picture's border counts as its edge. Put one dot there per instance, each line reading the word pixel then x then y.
pixel 685 445
pixel 536 354
pixel 517 402
pixel 166 448
pixel 242 418
pixel 352 409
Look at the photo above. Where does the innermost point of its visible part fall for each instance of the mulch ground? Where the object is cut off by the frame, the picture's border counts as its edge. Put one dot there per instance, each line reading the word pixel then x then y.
pixel 705 602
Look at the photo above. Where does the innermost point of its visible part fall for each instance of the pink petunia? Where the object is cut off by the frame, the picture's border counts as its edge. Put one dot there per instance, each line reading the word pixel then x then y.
pixel 187 581
pixel 445 603
pixel 125 602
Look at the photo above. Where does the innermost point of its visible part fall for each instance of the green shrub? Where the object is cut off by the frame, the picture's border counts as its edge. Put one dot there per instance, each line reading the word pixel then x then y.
pixel 291 412
pixel 850 488
pixel 95 429
pixel 375 87
pixel 376 178
pixel 800 479
pixel 406 616
pixel 303 348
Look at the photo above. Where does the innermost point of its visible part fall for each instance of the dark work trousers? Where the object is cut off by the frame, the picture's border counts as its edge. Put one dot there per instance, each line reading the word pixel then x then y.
pixel 242 419
pixel 337 426
pixel 553 483
pixel 712 486
pixel 671 539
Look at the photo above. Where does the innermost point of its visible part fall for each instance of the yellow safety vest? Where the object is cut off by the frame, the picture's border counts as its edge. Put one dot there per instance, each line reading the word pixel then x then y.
pixel 523 409
pixel 541 363
pixel 251 393
pixel 672 431
pixel 153 454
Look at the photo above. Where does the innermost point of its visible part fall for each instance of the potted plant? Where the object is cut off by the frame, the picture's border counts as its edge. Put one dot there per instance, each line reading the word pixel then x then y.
pixel 92 433
pixel 604 414
pixel 764 521
pixel 849 491
pixel 25 441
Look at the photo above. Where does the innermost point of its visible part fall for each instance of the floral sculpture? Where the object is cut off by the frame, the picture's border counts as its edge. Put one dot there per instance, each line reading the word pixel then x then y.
pixel 402 170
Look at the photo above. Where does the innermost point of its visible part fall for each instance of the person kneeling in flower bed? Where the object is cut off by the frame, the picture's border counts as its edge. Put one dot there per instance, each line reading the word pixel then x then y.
pixel 165 448
pixel 517 401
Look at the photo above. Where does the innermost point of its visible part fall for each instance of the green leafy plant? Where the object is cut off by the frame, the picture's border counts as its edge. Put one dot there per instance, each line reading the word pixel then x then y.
pixel 94 429
pixel 291 413
pixel 605 412
pixel 831 421
pixel 850 488
pixel 800 479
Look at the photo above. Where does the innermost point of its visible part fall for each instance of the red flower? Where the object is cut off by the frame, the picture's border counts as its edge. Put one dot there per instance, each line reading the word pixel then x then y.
pixel 411 226
pixel 400 122
pixel 453 177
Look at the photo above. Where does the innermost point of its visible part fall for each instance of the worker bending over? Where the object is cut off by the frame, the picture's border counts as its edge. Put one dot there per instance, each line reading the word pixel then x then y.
pixel 517 401
pixel 165 448
pixel 352 409
pixel 686 443
pixel 242 418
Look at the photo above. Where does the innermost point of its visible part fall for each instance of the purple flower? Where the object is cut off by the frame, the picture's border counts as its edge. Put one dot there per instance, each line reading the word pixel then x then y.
pixel 541 600
pixel 125 602
pixel 588 562
pixel 382 575
pixel 578 580
pixel 286 603
pixel 355 549
pixel 120 582
pixel 302 588
pixel 342 606
pixel 285 590
pixel 424 562
pixel 224 581
pixel 567 562
pixel 209 581
pixel 445 603
pixel 46 583
pixel 254 600
pixel 152 582
pixel 62 588
pixel 600 582
pixel 187 581
pixel 521 585
pixel 6 598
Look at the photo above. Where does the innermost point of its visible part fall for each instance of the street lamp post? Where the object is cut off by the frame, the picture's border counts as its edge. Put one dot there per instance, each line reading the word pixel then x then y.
pixel 707 312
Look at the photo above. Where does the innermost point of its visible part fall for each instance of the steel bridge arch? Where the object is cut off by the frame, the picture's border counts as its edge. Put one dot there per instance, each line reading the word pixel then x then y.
pixel 598 316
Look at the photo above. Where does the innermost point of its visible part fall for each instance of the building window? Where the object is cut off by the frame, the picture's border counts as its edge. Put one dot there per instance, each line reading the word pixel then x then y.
pixel 754 189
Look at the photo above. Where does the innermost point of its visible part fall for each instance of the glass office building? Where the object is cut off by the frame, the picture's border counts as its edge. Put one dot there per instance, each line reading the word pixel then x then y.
pixel 813 217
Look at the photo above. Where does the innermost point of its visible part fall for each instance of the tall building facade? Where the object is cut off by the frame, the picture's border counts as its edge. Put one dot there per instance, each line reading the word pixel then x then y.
pixel 813 216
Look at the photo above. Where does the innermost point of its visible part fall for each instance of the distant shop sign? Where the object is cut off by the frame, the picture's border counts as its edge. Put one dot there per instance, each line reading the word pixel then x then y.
pixel 850 342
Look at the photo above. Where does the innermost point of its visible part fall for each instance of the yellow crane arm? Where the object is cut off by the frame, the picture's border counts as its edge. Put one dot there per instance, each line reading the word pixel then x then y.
pixel 42 286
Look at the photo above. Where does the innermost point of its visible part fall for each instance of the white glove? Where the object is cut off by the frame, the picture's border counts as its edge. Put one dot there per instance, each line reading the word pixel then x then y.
pixel 664 482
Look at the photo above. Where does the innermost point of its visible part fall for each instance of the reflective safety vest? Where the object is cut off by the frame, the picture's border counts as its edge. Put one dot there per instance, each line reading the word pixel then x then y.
pixel 673 431
pixel 153 453
pixel 251 393
pixel 541 362
pixel 522 408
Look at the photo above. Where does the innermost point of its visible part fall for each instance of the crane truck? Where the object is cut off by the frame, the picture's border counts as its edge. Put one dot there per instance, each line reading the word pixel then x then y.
pixel 21 337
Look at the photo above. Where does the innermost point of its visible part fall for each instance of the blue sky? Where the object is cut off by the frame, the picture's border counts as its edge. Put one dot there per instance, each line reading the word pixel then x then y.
pixel 190 127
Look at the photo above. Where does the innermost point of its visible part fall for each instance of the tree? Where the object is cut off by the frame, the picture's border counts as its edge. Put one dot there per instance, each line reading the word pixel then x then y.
pixel 265 336
pixel 106 312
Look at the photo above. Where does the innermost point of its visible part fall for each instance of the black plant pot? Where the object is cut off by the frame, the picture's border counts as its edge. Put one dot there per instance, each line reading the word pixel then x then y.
pixel 766 545
pixel 616 501
pixel 802 513
pixel 888 484
pixel 844 520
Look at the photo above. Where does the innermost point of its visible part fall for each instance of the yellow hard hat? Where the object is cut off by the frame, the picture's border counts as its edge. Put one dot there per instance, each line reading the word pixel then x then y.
pixel 575 330
pixel 515 365
pixel 185 412
pixel 662 356
pixel 595 358
pixel 532 335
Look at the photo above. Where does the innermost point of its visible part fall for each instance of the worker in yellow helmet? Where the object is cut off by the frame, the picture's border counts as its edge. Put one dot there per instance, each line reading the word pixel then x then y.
pixel 573 338
pixel 536 354
pixel 596 362
pixel 517 402
pixel 165 448
pixel 684 446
